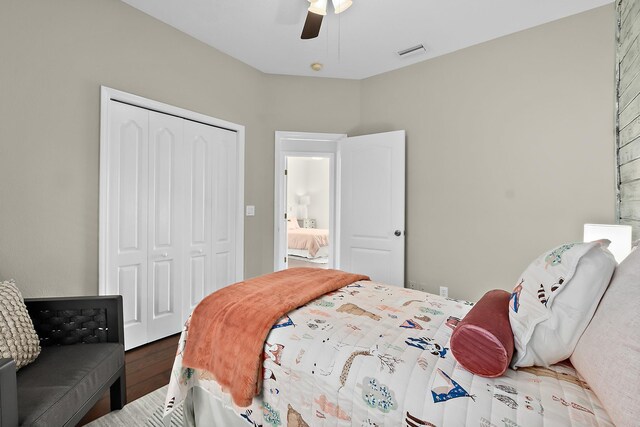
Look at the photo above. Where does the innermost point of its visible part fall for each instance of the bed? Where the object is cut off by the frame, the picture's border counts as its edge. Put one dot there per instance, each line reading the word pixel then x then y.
pixel 369 354
pixel 311 244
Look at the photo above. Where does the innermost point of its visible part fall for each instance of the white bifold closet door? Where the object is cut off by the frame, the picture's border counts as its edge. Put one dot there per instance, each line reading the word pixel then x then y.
pixel 127 212
pixel 212 188
pixel 164 246
pixel 171 200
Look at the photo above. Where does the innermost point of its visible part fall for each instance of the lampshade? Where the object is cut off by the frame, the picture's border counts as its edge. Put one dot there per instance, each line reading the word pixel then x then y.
pixel 341 5
pixel 319 7
pixel 305 200
pixel 619 235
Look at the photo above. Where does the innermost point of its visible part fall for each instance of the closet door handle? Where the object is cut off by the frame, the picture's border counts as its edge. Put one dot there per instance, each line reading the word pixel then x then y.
pixel 164 255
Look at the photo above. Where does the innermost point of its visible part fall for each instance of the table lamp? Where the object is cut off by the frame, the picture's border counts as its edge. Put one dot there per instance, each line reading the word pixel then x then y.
pixel 619 235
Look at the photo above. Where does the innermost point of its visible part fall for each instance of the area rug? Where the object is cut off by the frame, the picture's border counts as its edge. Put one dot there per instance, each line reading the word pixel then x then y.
pixel 146 411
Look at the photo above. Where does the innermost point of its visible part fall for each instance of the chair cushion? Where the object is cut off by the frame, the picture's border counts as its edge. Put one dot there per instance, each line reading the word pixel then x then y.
pixel 63 378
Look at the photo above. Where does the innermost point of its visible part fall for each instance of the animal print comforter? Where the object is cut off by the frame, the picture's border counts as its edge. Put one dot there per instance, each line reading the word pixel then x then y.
pixel 376 355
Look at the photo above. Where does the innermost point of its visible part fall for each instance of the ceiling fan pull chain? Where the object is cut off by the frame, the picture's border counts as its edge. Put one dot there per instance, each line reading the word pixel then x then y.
pixel 339 37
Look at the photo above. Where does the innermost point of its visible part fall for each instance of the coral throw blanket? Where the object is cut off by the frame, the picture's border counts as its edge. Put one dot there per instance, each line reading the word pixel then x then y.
pixel 228 328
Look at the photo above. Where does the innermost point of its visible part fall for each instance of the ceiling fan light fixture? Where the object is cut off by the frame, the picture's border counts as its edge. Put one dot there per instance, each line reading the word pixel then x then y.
pixel 340 6
pixel 319 7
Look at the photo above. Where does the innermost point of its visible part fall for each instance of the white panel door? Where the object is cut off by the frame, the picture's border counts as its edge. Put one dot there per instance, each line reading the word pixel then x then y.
pixel 198 280
pixel 166 171
pixel 126 223
pixel 225 196
pixel 211 210
pixel 372 205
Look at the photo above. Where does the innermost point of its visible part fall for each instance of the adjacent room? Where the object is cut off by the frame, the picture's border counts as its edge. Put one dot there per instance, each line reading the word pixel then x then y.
pixel 314 212
pixel 308 211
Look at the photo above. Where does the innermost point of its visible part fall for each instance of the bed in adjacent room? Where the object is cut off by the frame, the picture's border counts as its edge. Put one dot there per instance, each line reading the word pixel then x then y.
pixel 310 244
pixel 369 354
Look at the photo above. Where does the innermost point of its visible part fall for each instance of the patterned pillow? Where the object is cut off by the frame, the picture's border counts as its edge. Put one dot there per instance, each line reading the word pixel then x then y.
pixel 555 299
pixel 18 338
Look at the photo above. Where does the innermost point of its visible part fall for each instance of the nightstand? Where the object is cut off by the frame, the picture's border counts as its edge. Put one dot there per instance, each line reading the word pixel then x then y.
pixel 308 223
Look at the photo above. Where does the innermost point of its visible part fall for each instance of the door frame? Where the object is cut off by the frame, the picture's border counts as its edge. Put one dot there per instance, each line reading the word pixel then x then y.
pixel 305 144
pixel 108 94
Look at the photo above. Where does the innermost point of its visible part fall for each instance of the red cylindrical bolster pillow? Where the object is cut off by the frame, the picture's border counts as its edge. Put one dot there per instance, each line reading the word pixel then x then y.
pixel 483 341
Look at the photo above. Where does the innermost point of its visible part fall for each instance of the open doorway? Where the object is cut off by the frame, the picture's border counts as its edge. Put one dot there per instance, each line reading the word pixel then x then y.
pixel 366 201
pixel 308 211
pixel 311 196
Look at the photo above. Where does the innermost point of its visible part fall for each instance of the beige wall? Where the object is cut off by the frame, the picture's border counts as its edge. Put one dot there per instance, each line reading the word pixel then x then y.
pixel 509 149
pixel 509 142
pixel 55 56
pixel 290 104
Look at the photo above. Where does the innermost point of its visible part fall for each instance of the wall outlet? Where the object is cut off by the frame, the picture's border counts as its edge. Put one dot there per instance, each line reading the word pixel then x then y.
pixel 444 291
pixel 251 210
pixel 413 284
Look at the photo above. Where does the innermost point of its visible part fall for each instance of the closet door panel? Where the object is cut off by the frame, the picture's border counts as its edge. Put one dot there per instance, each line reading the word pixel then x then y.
pixel 127 201
pixel 130 287
pixel 199 140
pixel 197 278
pixel 165 222
pixel 225 196
pixel 163 284
pixel 164 187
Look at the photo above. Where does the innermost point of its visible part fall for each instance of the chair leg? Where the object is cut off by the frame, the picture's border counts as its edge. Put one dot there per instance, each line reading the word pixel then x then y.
pixel 118 392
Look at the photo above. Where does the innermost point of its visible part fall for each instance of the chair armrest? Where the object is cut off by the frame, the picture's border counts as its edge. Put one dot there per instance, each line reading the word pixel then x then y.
pixel 8 393
pixel 112 304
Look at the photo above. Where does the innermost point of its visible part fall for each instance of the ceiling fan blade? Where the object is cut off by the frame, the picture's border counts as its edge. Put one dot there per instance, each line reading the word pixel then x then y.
pixel 311 26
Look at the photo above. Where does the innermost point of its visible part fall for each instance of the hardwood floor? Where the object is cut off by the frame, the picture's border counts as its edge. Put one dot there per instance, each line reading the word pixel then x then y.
pixel 147 368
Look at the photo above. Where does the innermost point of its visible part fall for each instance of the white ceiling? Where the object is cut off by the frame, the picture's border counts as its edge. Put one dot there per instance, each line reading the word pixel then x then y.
pixel 361 42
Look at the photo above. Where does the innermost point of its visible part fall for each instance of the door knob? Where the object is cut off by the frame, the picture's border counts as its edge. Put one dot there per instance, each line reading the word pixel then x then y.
pixel 398 233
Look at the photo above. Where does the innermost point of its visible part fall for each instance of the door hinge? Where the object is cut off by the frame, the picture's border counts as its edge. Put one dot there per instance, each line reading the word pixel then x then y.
pixel 285 260
pixel 285 216
pixel 285 172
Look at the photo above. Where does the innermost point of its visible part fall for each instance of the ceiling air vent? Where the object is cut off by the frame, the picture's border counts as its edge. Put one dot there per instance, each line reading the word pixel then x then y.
pixel 415 50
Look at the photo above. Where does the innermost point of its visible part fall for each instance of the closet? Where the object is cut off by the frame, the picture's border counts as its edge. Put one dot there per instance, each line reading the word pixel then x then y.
pixel 169 225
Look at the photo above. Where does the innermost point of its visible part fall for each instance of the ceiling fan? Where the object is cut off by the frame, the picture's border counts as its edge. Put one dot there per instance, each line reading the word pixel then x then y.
pixel 317 10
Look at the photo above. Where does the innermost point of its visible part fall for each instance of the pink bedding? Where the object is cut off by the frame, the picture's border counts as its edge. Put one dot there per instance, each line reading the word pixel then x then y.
pixel 310 239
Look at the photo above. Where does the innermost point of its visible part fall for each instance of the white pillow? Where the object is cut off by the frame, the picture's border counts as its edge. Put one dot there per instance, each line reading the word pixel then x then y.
pixel 555 299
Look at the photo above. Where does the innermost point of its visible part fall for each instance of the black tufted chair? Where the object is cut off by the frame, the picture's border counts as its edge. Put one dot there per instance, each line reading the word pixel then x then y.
pixel 82 340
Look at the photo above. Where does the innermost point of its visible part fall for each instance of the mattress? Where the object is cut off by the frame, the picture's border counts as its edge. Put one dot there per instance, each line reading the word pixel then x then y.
pixel 322 254
pixel 376 355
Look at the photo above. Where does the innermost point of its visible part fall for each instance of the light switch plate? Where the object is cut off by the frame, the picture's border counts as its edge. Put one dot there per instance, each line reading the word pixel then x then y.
pixel 444 291
pixel 251 210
